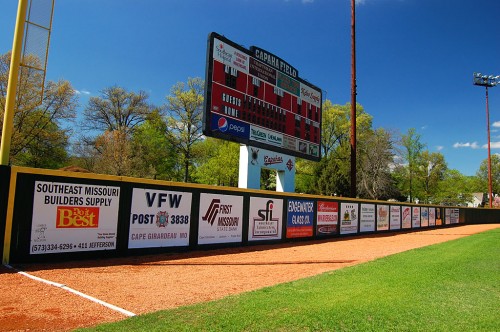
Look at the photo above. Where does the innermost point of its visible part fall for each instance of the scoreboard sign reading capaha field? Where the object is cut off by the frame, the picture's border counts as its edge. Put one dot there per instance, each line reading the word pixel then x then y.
pixel 255 98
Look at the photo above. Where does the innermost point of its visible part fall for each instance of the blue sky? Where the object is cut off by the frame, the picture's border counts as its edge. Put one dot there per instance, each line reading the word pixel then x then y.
pixel 415 58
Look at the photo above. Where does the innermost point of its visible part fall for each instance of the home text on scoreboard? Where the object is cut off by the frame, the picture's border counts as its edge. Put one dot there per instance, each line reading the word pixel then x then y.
pixel 256 98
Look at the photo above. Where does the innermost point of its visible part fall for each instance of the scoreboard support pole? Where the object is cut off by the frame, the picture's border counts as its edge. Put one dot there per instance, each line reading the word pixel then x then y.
pixel 252 160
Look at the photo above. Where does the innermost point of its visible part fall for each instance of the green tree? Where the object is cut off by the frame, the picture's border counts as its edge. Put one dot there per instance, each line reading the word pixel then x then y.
pixel 115 115
pixel 39 138
pixel 153 156
pixel 217 161
pixel 333 172
pixel 115 153
pixel 304 176
pixel 375 158
pixel 184 119
pixel 411 151
pixel 429 174
pixel 454 189
pixel 116 109
pixel 47 149
pixel 482 175
pixel 336 125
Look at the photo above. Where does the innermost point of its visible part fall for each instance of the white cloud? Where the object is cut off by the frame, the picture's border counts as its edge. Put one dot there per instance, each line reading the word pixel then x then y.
pixel 496 124
pixel 493 145
pixel 472 145
pixel 360 2
pixel 82 92
pixel 439 147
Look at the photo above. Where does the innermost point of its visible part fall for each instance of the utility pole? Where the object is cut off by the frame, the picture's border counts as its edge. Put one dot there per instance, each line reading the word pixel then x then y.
pixel 353 99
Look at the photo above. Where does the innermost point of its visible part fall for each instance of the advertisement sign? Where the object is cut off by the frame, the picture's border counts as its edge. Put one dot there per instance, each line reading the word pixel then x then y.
pixel 265 218
pixel 406 220
pixel 424 221
pixel 227 125
pixel 455 216
pixel 159 218
pixel 432 216
pixel 71 217
pixel 415 217
pixel 328 217
pixel 367 218
pixel 349 218
pixel 439 217
pixel 382 217
pixel 300 215
pixel 395 217
pixel 220 219
pixel 452 215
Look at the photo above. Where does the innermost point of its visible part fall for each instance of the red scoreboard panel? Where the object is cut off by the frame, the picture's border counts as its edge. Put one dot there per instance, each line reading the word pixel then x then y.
pixel 255 98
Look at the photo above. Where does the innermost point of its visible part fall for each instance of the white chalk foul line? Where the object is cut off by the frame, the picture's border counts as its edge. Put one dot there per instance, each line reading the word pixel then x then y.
pixel 74 291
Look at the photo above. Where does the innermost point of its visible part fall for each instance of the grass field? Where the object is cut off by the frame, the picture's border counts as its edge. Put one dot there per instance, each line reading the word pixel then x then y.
pixel 453 286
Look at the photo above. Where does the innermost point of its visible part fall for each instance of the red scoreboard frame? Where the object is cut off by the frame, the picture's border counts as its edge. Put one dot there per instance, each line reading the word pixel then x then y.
pixel 255 98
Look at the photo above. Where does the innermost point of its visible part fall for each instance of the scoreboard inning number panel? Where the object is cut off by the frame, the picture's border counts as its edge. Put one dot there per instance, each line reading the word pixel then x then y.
pixel 255 98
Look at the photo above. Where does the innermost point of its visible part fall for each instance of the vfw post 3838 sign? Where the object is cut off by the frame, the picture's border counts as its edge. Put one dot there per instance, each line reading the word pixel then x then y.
pixel 71 217
pixel 159 218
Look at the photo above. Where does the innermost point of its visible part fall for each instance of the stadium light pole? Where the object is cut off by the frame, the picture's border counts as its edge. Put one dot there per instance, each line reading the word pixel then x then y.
pixel 488 81
pixel 353 99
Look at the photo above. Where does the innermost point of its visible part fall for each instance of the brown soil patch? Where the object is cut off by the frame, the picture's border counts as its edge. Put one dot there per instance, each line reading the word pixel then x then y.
pixel 150 283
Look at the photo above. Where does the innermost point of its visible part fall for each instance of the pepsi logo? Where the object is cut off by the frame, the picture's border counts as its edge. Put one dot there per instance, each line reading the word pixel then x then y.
pixel 222 124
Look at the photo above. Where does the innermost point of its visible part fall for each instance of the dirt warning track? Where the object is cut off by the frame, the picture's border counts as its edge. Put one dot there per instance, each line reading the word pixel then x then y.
pixel 64 296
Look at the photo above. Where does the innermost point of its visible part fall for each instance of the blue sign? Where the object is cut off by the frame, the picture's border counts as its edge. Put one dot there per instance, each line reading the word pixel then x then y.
pixel 230 126
pixel 300 215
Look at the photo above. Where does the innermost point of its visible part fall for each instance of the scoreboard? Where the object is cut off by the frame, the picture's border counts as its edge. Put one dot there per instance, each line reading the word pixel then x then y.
pixel 255 98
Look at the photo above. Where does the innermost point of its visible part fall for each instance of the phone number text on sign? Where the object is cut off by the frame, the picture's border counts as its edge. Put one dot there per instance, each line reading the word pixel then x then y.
pixel 49 248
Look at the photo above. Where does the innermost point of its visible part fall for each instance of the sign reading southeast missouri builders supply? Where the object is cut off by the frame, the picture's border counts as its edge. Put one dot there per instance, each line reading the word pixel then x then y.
pixel 256 98
pixel 71 217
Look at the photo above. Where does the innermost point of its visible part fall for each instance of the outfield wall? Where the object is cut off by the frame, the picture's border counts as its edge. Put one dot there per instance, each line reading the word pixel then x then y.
pixel 55 215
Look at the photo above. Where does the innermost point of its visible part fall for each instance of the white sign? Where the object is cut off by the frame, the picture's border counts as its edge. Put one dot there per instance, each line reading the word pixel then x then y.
pixel 72 217
pixel 382 217
pixel 415 217
pixel 265 218
pixel 406 220
pixel 395 217
pixel 310 95
pixel 424 211
pixel 452 216
pixel 432 216
pixel 348 218
pixel 367 218
pixel 266 136
pixel 220 219
pixel 159 218
pixel 228 55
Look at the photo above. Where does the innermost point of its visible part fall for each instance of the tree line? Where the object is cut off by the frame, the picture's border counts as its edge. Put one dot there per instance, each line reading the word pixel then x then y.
pixel 121 133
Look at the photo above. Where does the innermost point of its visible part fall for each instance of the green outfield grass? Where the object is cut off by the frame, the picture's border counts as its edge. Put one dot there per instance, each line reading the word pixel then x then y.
pixel 453 286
